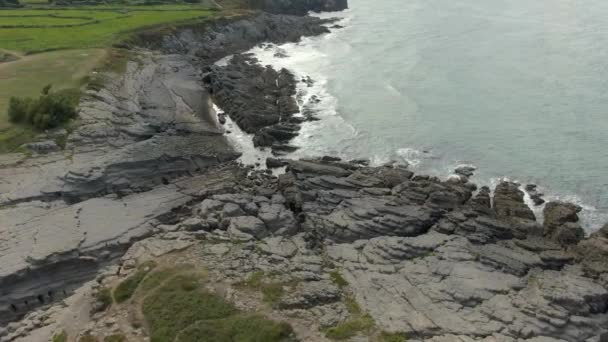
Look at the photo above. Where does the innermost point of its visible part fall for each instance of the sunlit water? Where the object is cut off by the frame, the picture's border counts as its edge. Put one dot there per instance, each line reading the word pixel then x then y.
pixel 517 88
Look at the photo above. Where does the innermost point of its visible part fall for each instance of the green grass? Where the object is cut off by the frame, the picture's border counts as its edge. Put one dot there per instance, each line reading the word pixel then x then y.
pixel 41 20
pixel 392 337
pixel 337 279
pixel 179 303
pixel 107 26
pixel 125 290
pixel 60 337
pixel 271 291
pixel 350 328
pixel 241 328
pixel 115 338
pixel 27 76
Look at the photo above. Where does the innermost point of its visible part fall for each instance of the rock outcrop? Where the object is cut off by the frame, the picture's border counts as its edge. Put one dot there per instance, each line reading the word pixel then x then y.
pixel 299 7
pixel 421 257
pixel 119 174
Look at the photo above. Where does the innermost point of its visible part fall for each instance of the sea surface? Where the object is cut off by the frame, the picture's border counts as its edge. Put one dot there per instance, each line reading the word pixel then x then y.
pixel 517 88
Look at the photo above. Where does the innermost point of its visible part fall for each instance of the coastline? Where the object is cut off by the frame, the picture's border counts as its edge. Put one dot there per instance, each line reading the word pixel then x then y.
pixel 315 201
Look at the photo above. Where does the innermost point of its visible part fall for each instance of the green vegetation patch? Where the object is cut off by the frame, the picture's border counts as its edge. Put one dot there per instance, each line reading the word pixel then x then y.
pixel 337 279
pixel 125 290
pixel 50 110
pixel 40 29
pixel 242 328
pixel 115 338
pixel 104 298
pixel 392 337
pixel 271 291
pixel 351 328
pixel 178 303
pixel 60 337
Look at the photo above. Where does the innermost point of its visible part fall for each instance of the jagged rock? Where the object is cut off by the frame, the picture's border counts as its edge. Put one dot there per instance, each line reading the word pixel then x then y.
pixel 209 206
pixel 277 218
pixel 561 223
pixel 43 147
pixel 465 170
pixel 193 224
pixel 232 210
pixel 300 7
pixel 535 196
pixel 247 228
pixel 310 294
pixel 509 203
pixel 275 162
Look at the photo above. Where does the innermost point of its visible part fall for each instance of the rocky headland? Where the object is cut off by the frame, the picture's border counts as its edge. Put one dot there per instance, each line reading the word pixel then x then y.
pixel 149 186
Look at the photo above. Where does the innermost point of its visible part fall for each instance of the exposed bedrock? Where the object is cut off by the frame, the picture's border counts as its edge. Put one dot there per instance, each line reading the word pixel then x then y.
pixel 259 99
pixel 224 37
pixel 299 7
pixel 426 258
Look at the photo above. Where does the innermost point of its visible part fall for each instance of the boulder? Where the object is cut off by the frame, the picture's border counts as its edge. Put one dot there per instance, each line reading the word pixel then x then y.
pixel 209 206
pixel 561 223
pixel 277 218
pixel 232 210
pixel 247 228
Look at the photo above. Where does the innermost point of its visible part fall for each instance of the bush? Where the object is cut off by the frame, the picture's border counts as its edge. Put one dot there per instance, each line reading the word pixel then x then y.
pixel 10 3
pixel 49 111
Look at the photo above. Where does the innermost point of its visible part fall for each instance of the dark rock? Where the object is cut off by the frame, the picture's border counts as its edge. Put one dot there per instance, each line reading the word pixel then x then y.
pixel 561 223
pixel 299 7
pixel 509 203
pixel 465 170
pixel 276 162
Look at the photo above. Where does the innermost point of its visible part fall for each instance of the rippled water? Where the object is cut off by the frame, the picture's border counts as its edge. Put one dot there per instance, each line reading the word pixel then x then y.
pixel 518 88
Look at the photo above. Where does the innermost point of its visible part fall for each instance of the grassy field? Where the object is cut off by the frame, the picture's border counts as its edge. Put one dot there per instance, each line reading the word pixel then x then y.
pixel 102 25
pixel 27 76
pixel 62 46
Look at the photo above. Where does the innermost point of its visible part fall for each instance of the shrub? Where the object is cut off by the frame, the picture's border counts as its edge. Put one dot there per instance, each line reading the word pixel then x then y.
pixel 10 3
pixel 48 111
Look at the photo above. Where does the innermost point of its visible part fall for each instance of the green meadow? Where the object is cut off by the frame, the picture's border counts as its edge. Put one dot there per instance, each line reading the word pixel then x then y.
pixel 63 46
pixel 34 30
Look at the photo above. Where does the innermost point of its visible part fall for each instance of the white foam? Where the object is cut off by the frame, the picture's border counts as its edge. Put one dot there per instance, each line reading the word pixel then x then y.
pixel 243 143
pixel 305 60
pixel 410 155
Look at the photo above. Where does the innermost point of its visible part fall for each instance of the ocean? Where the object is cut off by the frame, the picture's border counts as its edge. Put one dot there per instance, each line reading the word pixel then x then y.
pixel 516 88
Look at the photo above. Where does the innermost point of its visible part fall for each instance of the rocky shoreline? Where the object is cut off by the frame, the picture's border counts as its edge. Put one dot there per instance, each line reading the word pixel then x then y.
pixel 150 175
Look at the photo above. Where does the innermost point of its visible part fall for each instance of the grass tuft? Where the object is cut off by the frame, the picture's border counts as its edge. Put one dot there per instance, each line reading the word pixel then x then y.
pixel 337 278
pixel 125 290
pixel 104 298
pixel 392 337
pixel 60 337
pixel 350 328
